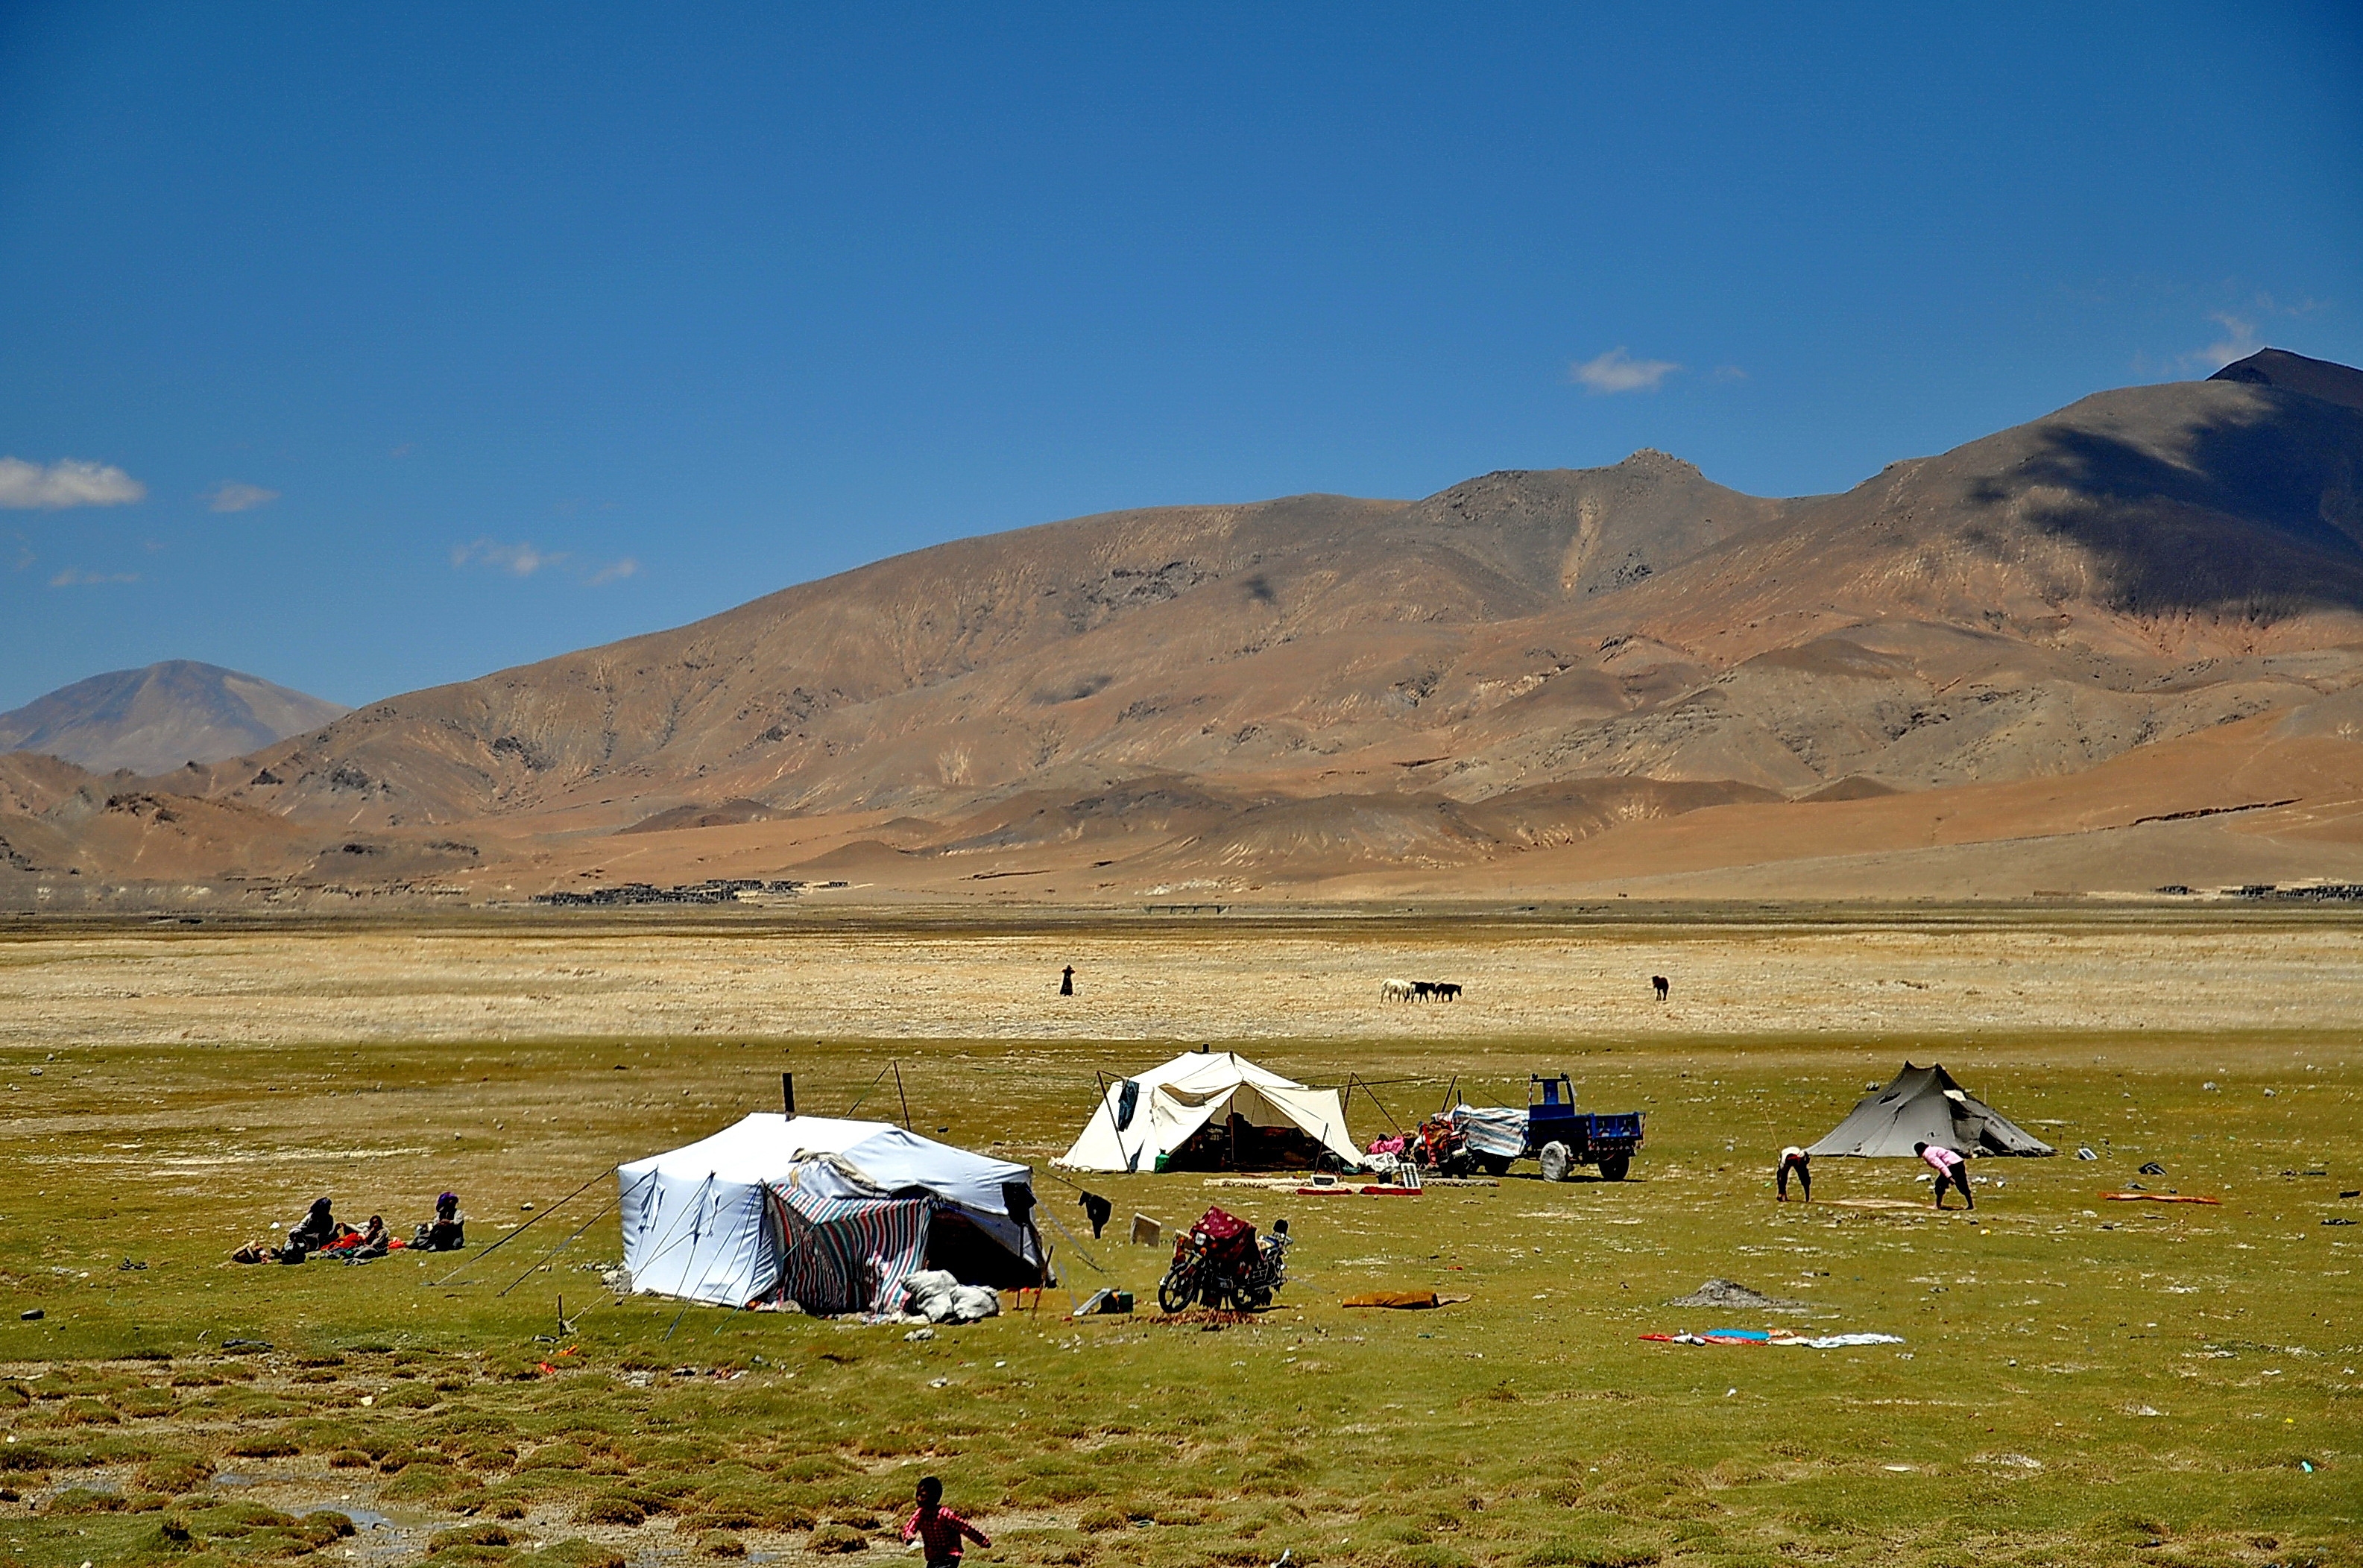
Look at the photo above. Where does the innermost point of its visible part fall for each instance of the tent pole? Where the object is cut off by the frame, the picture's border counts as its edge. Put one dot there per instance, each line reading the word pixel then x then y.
pixel 865 1093
pixel 901 1096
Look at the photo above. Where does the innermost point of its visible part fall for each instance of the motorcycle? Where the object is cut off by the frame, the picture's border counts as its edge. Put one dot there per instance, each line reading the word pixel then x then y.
pixel 1219 1262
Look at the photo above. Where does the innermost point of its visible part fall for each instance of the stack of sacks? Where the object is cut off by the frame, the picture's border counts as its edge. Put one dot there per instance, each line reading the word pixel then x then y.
pixel 934 1293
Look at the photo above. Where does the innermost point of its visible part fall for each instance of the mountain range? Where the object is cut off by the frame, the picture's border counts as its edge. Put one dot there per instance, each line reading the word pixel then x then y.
pixel 2110 648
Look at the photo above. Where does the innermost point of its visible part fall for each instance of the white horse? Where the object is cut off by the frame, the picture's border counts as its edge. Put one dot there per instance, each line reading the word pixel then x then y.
pixel 1395 991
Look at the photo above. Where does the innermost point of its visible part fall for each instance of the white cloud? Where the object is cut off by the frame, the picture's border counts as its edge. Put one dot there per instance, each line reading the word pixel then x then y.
pixel 1618 372
pixel 66 483
pixel 2239 341
pixel 520 559
pixel 74 576
pixel 1728 373
pixel 233 495
pixel 525 559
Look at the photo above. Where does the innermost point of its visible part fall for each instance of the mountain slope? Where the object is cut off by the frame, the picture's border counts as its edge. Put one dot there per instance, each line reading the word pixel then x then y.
pixel 1528 669
pixel 151 720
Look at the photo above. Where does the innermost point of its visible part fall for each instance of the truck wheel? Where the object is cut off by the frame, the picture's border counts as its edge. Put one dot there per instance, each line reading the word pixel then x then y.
pixel 1613 1167
pixel 1494 1165
pixel 1555 1161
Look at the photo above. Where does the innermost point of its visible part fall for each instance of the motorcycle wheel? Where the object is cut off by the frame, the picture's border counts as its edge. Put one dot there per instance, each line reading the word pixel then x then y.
pixel 1175 1291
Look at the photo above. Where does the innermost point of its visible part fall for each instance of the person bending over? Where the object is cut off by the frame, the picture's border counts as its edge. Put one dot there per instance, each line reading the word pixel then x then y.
pixel 1949 1167
pixel 1795 1161
pixel 937 1527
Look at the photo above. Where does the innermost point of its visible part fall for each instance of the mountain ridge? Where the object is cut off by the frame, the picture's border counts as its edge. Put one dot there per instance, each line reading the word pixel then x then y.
pixel 1292 692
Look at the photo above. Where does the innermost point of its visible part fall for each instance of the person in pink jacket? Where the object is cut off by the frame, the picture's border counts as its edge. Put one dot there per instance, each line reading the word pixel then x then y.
pixel 1949 1167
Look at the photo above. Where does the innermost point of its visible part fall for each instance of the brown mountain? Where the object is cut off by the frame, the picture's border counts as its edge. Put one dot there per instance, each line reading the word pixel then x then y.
pixel 160 717
pixel 1499 683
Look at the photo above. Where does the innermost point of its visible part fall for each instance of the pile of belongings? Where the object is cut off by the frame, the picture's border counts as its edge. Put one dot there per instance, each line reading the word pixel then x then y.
pixel 933 1296
pixel 1227 1241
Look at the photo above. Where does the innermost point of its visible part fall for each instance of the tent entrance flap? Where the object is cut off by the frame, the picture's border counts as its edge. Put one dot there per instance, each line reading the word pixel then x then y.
pixel 847 1254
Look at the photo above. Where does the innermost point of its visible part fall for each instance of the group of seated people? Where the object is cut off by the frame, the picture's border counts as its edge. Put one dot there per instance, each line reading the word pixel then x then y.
pixel 322 1234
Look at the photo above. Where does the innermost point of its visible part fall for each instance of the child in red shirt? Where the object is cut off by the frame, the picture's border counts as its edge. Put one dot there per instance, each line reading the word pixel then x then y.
pixel 939 1526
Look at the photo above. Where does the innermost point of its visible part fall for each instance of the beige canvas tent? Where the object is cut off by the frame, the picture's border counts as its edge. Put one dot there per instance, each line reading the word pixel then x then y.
pixel 1211 1110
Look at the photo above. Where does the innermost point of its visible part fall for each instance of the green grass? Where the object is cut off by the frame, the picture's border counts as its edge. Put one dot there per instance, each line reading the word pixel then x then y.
pixel 1527 1425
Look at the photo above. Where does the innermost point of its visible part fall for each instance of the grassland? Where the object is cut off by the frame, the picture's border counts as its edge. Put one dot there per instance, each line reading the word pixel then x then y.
pixel 2081 1381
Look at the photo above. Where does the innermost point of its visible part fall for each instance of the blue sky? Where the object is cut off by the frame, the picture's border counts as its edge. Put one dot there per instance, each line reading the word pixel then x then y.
pixel 366 348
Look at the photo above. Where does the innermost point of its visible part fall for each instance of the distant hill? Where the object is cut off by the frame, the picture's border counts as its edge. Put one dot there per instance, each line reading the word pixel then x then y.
pixel 161 717
pixel 2141 612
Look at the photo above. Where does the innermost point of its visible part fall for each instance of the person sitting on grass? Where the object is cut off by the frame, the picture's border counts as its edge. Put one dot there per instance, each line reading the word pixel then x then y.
pixel 1949 1167
pixel 317 1231
pixel 937 1527
pixel 447 1232
pixel 371 1242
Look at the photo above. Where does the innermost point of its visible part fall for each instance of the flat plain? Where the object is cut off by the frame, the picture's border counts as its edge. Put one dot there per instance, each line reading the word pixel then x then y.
pixel 2079 1380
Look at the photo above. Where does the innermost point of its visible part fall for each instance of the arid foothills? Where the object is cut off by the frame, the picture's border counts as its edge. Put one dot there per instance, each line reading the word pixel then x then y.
pixel 2114 650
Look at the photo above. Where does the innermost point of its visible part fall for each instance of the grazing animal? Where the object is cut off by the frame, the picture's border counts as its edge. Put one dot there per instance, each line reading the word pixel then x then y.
pixel 1394 990
pixel 1447 990
pixel 1422 989
pixel 1662 987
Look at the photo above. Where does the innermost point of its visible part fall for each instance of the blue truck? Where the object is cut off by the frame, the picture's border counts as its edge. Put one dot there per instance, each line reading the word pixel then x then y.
pixel 1552 1130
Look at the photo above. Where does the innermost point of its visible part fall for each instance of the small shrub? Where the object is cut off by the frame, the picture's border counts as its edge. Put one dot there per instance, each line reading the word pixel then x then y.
pixel 473 1535
pixel 349 1459
pixel 84 1500
pixel 1099 1519
pixel 264 1445
pixel 720 1543
pixel 85 1412
pixel 836 1538
pixel 573 1554
pixel 610 1510
pixel 171 1534
pixel 321 1526
pixel 175 1473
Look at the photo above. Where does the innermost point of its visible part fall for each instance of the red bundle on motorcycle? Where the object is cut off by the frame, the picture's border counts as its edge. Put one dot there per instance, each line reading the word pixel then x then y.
pixel 1230 1240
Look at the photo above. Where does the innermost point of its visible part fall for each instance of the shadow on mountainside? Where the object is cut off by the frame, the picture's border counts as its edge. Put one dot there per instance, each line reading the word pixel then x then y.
pixel 2261 516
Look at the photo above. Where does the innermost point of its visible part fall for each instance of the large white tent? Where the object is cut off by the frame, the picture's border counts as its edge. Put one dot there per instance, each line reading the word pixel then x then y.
pixel 1144 1121
pixel 707 1220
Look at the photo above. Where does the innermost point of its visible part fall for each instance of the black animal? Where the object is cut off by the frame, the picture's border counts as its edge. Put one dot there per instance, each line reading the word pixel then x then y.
pixel 1096 1209
pixel 1422 989
pixel 1447 990
pixel 1662 987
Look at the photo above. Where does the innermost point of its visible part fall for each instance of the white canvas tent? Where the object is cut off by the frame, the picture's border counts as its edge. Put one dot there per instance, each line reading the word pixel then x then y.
pixel 1144 1122
pixel 704 1221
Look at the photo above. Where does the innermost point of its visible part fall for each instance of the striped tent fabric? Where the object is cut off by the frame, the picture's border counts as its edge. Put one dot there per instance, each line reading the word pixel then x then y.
pixel 847 1254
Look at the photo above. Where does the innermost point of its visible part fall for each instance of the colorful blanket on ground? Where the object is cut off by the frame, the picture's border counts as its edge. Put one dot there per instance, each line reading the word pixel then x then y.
pixel 1774 1337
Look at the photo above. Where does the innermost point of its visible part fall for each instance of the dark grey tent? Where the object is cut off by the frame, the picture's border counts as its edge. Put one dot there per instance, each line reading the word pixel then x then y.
pixel 1923 1105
